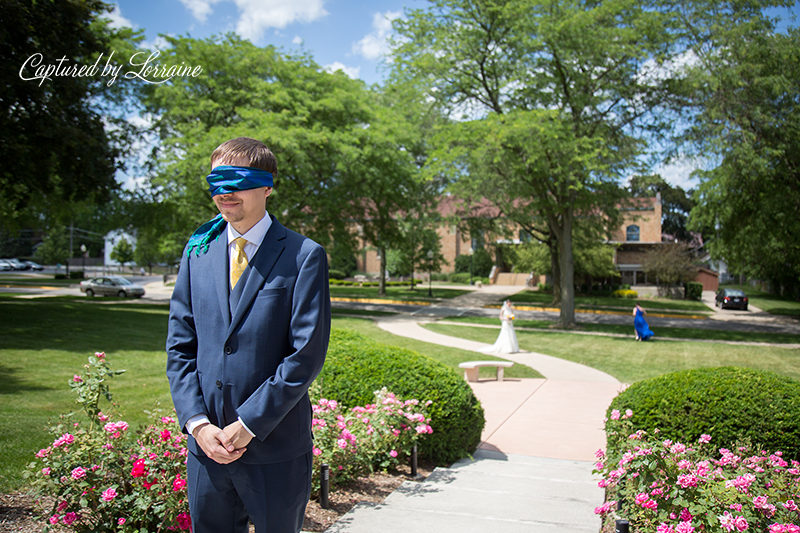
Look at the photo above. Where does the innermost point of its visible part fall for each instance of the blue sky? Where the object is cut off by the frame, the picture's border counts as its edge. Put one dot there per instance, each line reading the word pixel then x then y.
pixel 339 34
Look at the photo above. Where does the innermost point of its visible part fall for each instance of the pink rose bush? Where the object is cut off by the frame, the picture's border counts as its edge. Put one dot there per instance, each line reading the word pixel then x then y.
pixel 357 441
pixel 673 487
pixel 103 476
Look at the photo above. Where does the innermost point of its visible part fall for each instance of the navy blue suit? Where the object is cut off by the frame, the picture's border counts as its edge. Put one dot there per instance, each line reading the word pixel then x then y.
pixel 254 360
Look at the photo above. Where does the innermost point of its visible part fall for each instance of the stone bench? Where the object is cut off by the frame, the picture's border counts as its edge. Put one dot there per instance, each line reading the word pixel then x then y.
pixel 472 368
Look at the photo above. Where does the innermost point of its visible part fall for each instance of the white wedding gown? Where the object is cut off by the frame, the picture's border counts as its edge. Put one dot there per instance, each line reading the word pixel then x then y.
pixel 507 340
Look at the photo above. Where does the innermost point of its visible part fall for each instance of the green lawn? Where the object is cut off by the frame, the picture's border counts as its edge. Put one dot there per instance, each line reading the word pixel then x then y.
pixel 662 332
pixel 599 302
pixel 402 293
pixel 771 303
pixel 631 361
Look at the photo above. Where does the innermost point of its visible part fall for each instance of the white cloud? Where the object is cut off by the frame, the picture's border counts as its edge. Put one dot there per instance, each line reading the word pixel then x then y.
pixel 200 9
pixel 297 40
pixel 159 43
pixel 116 18
pixel 256 16
pixel 352 72
pixel 679 172
pixel 376 43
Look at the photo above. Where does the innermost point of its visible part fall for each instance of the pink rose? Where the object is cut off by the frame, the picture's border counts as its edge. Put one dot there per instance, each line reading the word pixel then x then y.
pixel 46 471
pixel 615 414
pixel 705 439
pixel 109 494
pixel 740 522
pixel 179 484
pixel 54 519
pixel 184 521
pixel 69 518
pixel 121 521
pixel 102 417
pixel 393 453
pixel 100 355
pixel 77 379
pixel 317 451
pixel 78 473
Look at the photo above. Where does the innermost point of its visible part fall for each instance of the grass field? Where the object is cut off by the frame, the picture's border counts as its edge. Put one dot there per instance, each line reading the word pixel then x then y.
pixel 670 333
pixel 402 293
pixel 603 302
pixel 631 361
pixel 43 342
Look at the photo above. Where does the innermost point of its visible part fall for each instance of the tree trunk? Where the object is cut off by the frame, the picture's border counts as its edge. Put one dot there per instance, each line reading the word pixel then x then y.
pixel 556 270
pixel 382 280
pixel 566 318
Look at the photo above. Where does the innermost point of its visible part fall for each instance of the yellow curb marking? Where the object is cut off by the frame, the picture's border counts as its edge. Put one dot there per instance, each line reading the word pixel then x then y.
pixel 377 301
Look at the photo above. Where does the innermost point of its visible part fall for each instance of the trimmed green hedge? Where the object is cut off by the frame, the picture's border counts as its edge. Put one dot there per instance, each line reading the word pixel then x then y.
pixel 356 366
pixel 729 403
pixel 693 290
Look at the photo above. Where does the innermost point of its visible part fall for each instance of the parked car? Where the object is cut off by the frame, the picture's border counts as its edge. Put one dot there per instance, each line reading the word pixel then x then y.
pixel 111 286
pixel 16 264
pixel 34 266
pixel 5 265
pixel 731 299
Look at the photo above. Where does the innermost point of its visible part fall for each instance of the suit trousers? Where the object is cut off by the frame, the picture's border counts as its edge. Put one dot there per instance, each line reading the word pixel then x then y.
pixel 272 496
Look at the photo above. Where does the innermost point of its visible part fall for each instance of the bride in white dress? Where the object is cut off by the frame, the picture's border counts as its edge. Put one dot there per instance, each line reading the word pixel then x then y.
pixel 507 340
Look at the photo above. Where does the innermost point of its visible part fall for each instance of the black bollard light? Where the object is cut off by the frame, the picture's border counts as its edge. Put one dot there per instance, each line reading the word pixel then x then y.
pixel 324 486
pixel 621 526
pixel 414 461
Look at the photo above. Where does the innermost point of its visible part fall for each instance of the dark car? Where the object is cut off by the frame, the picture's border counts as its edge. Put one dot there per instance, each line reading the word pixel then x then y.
pixel 111 286
pixel 731 299
pixel 33 265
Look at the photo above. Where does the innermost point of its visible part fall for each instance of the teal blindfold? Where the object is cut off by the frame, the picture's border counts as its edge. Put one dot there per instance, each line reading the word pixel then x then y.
pixel 226 179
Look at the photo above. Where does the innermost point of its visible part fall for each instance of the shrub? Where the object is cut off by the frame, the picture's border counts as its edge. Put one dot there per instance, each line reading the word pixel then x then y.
pixel 357 441
pixel 463 263
pixel 693 290
pixel 545 287
pixel 625 293
pixel 357 366
pixel 668 486
pixel 732 403
pixel 102 478
pixel 336 274
pixel 76 274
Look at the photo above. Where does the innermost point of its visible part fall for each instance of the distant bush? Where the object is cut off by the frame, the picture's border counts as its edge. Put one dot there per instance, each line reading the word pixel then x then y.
pixel 545 287
pixel 734 404
pixel 625 293
pixel 76 274
pixel 693 290
pixel 357 366
pixel 336 274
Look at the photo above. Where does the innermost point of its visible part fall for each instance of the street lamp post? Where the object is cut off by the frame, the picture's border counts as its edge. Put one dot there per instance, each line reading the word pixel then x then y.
pixel 430 272
pixel 83 255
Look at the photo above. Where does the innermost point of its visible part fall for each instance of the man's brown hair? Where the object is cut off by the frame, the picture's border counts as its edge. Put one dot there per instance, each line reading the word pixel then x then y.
pixel 254 150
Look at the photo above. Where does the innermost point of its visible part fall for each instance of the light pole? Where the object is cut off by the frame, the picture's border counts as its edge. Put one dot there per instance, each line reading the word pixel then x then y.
pixel 83 255
pixel 430 272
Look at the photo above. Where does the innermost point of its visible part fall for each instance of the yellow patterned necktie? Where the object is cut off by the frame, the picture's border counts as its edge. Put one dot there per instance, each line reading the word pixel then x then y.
pixel 239 262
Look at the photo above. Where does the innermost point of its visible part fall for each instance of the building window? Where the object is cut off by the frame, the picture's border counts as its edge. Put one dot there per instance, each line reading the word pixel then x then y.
pixel 632 233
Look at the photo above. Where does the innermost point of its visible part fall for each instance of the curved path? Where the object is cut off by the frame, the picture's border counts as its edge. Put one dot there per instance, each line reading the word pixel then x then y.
pixel 559 417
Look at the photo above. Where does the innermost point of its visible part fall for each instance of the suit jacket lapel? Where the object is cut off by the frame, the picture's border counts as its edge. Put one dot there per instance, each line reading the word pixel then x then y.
pixel 219 274
pixel 260 267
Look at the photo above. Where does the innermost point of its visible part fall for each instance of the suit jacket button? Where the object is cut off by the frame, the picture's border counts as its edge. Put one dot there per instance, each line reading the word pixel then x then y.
pixel 219 384
pixel 228 350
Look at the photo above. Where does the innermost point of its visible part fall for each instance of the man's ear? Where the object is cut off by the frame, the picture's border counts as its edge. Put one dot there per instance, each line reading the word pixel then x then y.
pixel 267 192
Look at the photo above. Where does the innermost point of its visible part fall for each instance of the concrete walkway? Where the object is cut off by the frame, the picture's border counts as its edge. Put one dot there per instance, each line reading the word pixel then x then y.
pixel 532 471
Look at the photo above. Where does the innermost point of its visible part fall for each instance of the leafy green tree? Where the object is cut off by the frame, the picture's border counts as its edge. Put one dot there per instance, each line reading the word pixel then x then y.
pixel 748 126
pixel 122 252
pixel 54 249
pixel 61 138
pixel 419 246
pixel 554 105
pixel 671 264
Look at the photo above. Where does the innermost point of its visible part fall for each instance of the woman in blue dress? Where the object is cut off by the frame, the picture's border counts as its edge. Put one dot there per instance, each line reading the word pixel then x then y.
pixel 643 331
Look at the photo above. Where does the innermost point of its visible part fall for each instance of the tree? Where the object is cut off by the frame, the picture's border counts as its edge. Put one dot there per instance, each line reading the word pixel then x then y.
pixel 54 249
pixel 554 102
pixel 60 138
pixel 676 204
pixel 748 125
pixel 671 264
pixel 122 252
pixel 418 246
